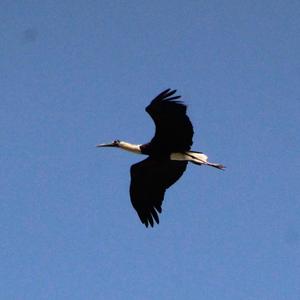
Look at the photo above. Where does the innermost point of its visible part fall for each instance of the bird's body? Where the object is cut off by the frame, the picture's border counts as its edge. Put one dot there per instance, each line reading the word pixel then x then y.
pixel 168 155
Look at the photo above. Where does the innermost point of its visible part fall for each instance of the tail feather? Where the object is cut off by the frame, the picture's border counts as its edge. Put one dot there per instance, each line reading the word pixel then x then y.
pixel 200 158
pixel 194 157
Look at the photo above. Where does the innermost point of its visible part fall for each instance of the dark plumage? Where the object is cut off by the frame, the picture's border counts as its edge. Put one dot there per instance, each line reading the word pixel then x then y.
pixel 151 177
pixel 173 128
pixel 168 154
pixel 149 180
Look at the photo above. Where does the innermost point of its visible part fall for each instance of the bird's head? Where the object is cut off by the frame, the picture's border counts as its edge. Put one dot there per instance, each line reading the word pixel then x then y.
pixel 115 143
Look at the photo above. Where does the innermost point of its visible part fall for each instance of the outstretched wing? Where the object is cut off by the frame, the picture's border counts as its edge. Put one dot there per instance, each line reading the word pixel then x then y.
pixel 149 180
pixel 174 130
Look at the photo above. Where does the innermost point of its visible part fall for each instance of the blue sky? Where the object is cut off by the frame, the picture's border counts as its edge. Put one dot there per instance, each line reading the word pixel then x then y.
pixel 78 73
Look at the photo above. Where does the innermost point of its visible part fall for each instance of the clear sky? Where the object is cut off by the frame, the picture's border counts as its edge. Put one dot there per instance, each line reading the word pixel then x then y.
pixel 77 73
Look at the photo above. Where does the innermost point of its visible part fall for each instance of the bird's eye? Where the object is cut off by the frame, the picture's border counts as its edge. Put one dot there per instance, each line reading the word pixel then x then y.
pixel 116 142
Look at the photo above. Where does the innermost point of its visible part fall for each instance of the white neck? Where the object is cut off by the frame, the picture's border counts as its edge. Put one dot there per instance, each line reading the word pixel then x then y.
pixel 130 147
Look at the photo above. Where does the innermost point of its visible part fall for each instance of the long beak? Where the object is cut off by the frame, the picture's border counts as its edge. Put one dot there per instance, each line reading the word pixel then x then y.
pixel 106 145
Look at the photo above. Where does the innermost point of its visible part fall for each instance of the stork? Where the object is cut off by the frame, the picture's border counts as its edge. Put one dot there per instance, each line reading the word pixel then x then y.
pixel 168 155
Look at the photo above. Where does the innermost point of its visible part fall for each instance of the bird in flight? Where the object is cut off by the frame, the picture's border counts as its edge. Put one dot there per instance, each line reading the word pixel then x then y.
pixel 168 155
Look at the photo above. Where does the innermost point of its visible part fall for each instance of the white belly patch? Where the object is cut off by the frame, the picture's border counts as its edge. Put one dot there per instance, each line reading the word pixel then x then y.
pixel 196 157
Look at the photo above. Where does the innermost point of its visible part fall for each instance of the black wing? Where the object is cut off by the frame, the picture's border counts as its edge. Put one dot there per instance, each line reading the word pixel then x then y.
pixel 149 180
pixel 174 130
